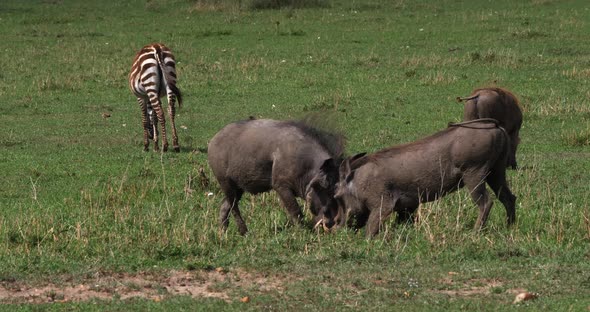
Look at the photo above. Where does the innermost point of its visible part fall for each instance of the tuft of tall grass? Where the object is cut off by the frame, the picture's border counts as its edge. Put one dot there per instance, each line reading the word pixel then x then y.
pixel 576 138
pixel 433 61
pixel 577 73
pixel 498 57
pixel 527 34
pixel 556 103
pixel 438 78
pixel 57 84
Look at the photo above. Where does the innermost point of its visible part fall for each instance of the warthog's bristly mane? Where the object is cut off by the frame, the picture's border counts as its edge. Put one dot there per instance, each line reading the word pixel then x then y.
pixel 332 141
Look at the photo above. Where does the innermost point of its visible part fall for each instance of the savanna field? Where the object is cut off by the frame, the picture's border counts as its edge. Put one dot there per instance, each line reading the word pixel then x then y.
pixel 89 221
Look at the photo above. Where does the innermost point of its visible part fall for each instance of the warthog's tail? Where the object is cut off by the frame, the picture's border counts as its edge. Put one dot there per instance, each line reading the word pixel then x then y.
pixel 468 122
pixel 461 99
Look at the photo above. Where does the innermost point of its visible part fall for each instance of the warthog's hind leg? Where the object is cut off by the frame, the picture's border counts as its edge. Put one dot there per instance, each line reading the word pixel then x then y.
pixel 231 203
pixel 477 188
pixel 497 181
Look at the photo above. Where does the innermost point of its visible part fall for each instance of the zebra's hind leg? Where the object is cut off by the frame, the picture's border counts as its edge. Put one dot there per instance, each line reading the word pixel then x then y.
pixel 172 114
pixel 159 114
pixel 155 133
pixel 151 120
pixel 146 124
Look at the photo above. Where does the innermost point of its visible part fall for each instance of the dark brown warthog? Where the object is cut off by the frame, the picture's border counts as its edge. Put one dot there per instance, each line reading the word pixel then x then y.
pixel 499 104
pixel 290 157
pixel 399 178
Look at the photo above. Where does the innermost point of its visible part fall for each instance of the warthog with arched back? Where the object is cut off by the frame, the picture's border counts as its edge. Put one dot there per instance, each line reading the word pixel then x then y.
pixel 499 104
pixel 291 157
pixel 399 178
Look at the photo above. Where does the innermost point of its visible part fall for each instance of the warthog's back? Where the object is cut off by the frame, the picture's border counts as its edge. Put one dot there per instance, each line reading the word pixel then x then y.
pixel 459 144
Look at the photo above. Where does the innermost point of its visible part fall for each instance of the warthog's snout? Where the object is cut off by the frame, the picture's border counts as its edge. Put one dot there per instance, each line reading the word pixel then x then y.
pixel 327 224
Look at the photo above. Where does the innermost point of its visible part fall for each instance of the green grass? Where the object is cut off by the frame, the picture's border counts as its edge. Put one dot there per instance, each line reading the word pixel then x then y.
pixel 78 196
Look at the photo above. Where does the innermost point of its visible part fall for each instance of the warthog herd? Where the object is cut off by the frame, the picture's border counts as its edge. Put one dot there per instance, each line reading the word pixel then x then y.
pixel 298 160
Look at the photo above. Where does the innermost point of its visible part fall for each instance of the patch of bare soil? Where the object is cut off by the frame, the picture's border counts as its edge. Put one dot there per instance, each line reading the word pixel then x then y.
pixel 472 287
pixel 219 283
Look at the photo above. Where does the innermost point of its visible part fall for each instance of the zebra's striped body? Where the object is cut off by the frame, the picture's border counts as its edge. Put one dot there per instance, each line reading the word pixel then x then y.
pixel 152 76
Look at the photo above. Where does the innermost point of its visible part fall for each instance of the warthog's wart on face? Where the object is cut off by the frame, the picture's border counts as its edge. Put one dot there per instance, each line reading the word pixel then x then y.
pixel 290 157
pixel 399 178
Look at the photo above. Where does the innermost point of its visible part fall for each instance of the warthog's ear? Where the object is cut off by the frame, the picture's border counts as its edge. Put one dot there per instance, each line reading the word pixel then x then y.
pixel 344 168
pixel 349 177
pixel 344 185
pixel 345 165
pixel 328 166
pixel 322 178
pixel 357 156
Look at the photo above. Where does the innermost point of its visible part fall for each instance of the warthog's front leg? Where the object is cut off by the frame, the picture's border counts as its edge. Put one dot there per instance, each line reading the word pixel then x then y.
pixel 290 203
pixel 376 218
pixel 406 215
pixel 380 213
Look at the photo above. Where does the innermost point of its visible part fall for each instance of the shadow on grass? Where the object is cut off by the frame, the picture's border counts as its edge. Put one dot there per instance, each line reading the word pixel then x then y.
pixel 191 149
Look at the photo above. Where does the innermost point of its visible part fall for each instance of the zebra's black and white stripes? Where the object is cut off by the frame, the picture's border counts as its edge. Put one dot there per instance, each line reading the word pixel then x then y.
pixel 153 75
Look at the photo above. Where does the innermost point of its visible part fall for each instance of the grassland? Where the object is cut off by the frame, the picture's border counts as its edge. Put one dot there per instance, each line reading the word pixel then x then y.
pixel 81 203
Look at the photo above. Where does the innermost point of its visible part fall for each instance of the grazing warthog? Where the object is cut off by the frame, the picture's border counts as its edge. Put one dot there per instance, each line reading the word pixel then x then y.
pixel 499 104
pixel 291 157
pixel 399 178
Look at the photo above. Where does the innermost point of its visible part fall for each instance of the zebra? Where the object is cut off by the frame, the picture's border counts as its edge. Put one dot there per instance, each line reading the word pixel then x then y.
pixel 153 75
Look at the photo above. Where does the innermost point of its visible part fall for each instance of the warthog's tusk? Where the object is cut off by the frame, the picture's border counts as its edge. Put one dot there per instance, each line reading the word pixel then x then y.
pixel 318 224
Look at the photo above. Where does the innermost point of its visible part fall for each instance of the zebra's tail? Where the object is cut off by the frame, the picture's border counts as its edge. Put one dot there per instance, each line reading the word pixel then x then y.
pixel 167 77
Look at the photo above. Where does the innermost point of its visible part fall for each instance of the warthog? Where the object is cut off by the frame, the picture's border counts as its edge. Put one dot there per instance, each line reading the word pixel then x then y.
pixel 499 104
pixel 291 157
pixel 399 178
